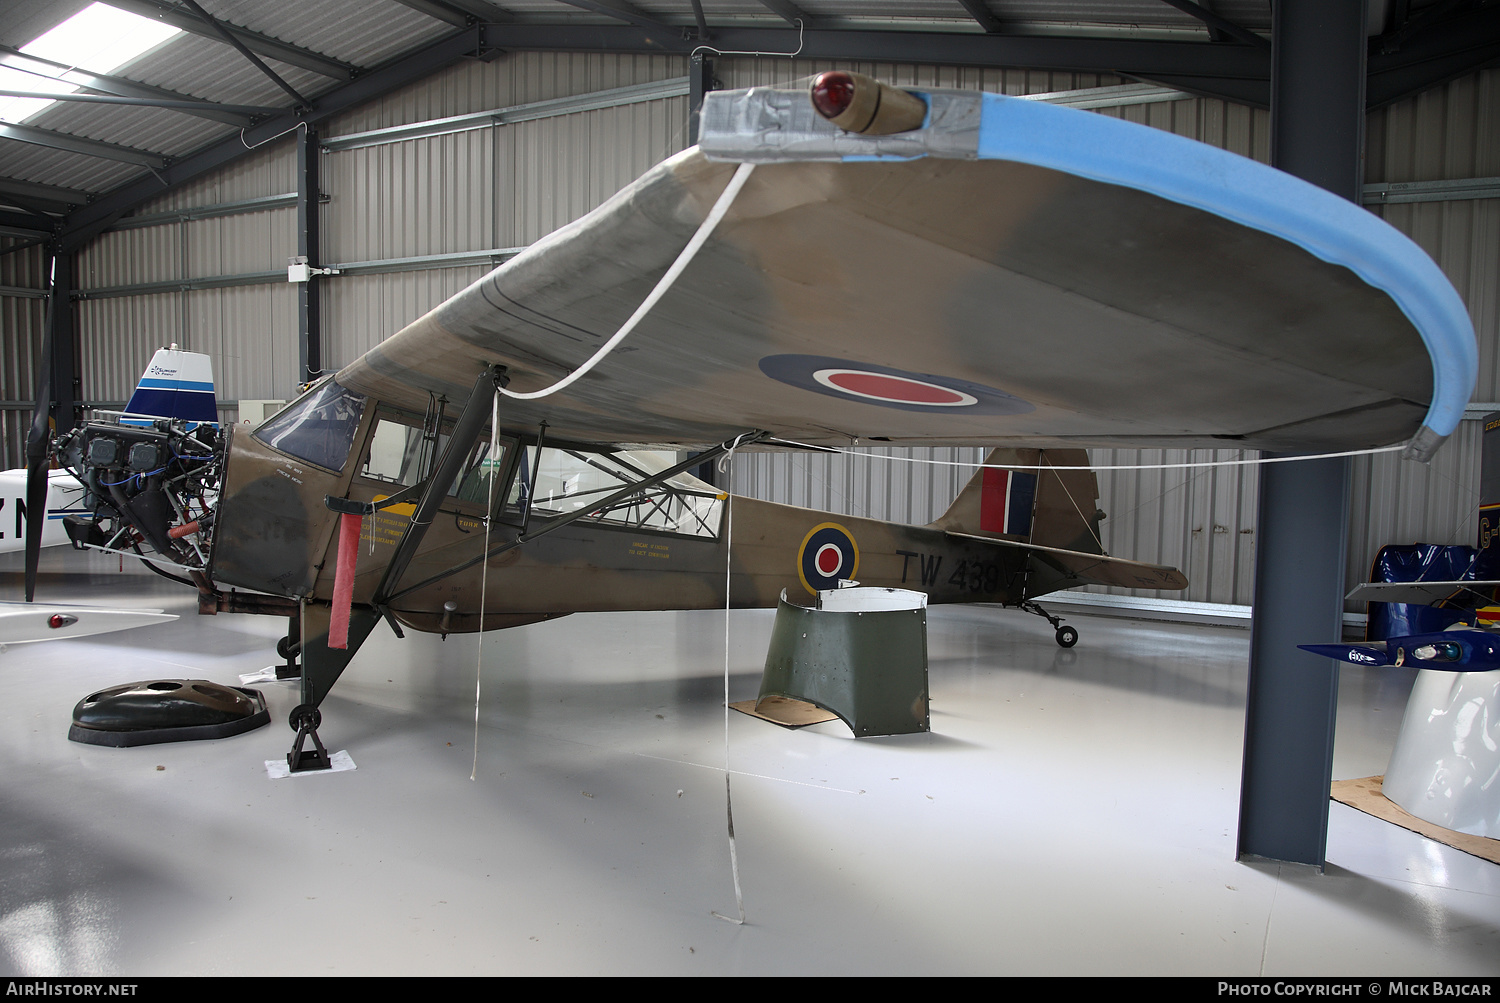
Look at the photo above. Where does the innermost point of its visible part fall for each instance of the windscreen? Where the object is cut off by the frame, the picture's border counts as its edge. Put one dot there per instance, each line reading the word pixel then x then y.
pixel 319 428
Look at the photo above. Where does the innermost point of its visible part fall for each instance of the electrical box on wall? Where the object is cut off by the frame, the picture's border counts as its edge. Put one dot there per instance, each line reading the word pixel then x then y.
pixel 253 412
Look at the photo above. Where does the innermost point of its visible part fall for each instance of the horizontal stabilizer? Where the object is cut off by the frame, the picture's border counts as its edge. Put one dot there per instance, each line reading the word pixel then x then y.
pixel 37 622
pixel 1424 593
pixel 1052 568
pixel 1369 653
pixel 1461 649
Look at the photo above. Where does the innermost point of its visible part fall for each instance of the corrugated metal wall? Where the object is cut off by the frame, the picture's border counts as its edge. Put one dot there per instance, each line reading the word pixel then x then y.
pixel 501 186
pixel 250 331
pixel 494 187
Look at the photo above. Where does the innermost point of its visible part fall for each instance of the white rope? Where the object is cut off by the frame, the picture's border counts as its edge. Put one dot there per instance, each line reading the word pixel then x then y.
pixel 484 571
pixel 1118 466
pixel 726 199
pixel 734 857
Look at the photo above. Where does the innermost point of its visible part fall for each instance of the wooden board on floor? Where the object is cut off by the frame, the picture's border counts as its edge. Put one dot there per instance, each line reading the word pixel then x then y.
pixel 785 711
pixel 1365 795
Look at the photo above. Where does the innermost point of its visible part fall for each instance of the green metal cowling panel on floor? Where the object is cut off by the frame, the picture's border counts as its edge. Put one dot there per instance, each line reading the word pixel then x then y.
pixel 869 668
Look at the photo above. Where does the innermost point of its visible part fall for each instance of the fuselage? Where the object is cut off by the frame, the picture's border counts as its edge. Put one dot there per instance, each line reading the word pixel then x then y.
pixel 680 545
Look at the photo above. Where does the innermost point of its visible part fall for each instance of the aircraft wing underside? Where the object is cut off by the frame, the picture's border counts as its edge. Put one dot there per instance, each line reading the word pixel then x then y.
pixel 1036 274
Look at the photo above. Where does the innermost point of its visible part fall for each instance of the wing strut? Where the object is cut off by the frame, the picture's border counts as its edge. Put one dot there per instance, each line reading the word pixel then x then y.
pixel 324 657
pixel 465 434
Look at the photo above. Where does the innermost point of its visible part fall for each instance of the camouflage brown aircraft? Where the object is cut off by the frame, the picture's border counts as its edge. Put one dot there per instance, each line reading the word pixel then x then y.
pixel 974 269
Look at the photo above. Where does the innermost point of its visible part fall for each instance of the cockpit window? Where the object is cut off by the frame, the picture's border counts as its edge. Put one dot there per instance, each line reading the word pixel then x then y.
pixel 400 454
pixel 396 453
pixel 571 479
pixel 319 428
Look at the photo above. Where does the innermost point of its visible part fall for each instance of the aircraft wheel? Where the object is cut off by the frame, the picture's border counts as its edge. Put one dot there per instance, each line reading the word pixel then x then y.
pixel 1067 636
pixel 285 648
pixel 301 713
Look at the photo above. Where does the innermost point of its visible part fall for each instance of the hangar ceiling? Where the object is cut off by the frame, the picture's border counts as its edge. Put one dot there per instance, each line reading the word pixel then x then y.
pixel 239 72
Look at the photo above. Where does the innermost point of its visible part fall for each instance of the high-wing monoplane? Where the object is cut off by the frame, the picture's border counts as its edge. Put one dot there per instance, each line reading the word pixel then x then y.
pixel 871 266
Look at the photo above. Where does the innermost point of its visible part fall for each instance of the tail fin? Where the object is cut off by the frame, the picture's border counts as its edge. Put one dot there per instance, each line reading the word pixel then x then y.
pixel 1048 508
pixel 175 385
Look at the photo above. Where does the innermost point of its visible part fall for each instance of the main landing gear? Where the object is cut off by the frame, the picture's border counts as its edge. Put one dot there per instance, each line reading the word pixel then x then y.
pixel 1066 636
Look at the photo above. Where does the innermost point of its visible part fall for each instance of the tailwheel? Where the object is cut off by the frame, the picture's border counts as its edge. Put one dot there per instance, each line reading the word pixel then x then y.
pixel 1066 636
pixel 304 720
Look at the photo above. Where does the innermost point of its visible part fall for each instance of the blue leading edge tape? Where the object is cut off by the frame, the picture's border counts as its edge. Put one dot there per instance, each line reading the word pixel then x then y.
pixel 1239 189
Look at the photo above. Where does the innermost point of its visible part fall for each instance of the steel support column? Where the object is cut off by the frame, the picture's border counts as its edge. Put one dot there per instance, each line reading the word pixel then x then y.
pixel 1317 119
pixel 309 247
pixel 700 82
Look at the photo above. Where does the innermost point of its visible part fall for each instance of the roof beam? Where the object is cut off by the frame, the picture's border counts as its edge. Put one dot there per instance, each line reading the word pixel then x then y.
pixel 77 144
pixel 88 221
pixel 1434 55
pixel 178 17
pixel 481 10
pixel 1214 34
pixel 256 61
pixel 979 12
pixel 620 9
pixel 20 245
pixel 33 210
pixel 787 11
pixel 44 196
pixel 1410 23
pixel 16 224
pixel 244 109
pixel 1217 23
pixel 1132 57
pixel 118 86
pixel 440 11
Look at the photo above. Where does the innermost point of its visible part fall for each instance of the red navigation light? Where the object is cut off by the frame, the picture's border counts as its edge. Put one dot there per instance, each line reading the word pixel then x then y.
pixel 832 93
pixel 57 620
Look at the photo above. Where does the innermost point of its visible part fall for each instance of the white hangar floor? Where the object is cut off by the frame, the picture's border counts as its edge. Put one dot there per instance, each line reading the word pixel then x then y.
pixel 1073 812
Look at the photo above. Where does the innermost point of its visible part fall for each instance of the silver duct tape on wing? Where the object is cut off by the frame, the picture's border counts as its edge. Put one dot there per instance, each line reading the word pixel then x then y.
pixel 763 125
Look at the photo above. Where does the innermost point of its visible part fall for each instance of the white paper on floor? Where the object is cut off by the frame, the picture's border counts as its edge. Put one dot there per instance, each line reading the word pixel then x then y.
pixel 265 675
pixel 277 769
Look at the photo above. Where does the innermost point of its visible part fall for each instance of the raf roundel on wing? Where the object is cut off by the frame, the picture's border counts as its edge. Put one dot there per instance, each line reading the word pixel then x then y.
pixel 883 386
